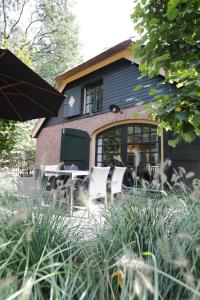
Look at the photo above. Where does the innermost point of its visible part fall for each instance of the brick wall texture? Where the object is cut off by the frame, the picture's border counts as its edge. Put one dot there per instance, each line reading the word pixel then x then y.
pixel 49 139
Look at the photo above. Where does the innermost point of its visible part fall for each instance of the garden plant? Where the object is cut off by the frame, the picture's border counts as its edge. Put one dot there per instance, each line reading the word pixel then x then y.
pixel 147 248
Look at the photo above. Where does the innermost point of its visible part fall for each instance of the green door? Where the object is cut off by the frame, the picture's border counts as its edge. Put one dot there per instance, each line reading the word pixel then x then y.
pixel 75 145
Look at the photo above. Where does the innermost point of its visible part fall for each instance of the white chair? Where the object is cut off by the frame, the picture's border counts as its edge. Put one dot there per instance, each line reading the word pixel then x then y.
pixel 96 188
pixel 49 176
pixel 98 183
pixel 117 182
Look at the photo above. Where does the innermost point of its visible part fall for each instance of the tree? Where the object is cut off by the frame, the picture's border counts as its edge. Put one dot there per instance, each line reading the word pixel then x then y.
pixel 44 35
pixel 7 137
pixel 58 45
pixel 13 33
pixel 170 42
pixel 22 153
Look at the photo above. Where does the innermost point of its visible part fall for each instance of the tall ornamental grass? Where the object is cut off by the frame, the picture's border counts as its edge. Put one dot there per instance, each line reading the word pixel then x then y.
pixel 148 248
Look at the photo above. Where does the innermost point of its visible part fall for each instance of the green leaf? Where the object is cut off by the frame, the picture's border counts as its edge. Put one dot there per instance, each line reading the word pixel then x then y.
pixel 152 92
pixel 137 87
pixel 173 3
pixel 147 253
pixel 161 58
pixel 153 22
pixel 197 131
pixel 179 85
pixel 181 116
pixel 172 13
pixel 138 10
pixel 170 109
pixel 173 143
pixel 189 136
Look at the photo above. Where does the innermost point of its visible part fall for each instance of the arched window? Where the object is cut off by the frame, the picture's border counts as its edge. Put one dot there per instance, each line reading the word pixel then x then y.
pixel 133 145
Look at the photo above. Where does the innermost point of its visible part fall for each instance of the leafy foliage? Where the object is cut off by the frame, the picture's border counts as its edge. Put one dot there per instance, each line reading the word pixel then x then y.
pixel 58 49
pixel 170 42
pixel 42 33
pixel 22 154
pixel 17 146
pixel 7 136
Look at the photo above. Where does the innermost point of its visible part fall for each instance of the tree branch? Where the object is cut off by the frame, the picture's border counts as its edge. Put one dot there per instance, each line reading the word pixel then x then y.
pixel 30 24
pixel 40 38
pixel 31 42
pixel 19 18
pixel 4 18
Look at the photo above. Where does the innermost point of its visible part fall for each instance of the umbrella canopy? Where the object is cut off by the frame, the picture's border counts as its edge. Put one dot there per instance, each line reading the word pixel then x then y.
pixel 24 95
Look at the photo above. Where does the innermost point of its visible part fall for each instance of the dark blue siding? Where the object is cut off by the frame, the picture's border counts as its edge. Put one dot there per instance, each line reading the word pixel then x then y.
pixel 185 155
pixel 119 87
pixel 119 80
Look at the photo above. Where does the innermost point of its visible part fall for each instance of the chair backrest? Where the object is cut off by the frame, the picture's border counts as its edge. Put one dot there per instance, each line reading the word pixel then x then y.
pixel 154 168
pixel 49 168
pixel 71 167
pixel 117 180
pixel 98 182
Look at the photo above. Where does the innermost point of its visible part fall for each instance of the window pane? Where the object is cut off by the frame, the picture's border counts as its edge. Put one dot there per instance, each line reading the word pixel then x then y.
pixel 99 150
pixel 89 103
pixel 88 99
pixel 145 129
pixel 147 157
pixel 154 158
pixel 130 138
pixel 154 129
pixel 105 141
pixel 146 147
pixel 137 139
pixel 99 143
pixel 146 138
pixel 118 132
pixel 154 147
pixel 137 129
pixel 154 137
pixel 94 98
pixel 99 99
pixel 87 109
pixel 99 158
pixel 130 130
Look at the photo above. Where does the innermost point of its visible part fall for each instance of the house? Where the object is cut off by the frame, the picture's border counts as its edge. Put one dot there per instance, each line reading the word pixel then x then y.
pixel 97 123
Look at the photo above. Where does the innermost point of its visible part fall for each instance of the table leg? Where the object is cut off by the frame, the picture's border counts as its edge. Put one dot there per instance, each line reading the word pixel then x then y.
pixel 71 198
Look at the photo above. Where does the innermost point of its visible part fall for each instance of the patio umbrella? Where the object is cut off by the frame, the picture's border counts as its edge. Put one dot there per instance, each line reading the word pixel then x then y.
pixel 24 95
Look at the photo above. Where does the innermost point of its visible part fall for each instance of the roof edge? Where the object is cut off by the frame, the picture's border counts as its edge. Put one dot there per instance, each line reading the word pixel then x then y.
pixel 111 51
pixel 37 127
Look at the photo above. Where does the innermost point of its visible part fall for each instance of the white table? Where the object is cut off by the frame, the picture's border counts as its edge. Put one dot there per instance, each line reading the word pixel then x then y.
pixel 73 174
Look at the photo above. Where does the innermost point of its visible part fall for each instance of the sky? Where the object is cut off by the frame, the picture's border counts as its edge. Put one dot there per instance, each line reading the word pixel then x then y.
pixel 103 24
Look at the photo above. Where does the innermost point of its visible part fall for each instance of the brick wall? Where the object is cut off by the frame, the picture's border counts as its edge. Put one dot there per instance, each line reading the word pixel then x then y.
pixel 49 139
